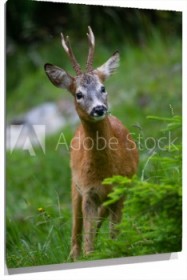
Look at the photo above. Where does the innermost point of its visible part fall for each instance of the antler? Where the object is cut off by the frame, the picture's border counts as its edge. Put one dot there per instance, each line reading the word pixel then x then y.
pixel 67 47
pixel 91 41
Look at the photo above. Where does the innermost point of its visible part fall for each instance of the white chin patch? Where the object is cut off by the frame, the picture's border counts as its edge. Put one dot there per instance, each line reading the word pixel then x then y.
pixel 99 118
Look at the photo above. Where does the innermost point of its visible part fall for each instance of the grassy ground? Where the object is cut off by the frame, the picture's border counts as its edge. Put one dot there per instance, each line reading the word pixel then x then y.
pixel 38 207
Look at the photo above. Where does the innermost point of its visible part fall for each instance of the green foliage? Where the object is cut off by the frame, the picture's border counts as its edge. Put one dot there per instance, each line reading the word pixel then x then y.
pixel 152 214
pixel 27 23
pixel 38 213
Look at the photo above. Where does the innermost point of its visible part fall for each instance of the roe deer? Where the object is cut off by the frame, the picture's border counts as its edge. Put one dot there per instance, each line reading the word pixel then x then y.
pixel 102 147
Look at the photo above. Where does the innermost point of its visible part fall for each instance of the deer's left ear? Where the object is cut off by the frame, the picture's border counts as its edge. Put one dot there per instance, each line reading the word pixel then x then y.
pixel 109 67
pixel 59 77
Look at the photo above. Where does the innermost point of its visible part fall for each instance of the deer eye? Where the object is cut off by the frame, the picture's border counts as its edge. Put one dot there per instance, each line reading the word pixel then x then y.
pixel 79 95
pixel 103 89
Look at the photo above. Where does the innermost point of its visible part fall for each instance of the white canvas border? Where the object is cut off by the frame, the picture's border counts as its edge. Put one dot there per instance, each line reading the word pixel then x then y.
pixel 174 269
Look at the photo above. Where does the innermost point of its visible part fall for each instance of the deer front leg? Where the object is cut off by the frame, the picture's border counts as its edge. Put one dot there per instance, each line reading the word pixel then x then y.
pixel 115 217
pixel 90 220
pixel 102 214
pixel 77 224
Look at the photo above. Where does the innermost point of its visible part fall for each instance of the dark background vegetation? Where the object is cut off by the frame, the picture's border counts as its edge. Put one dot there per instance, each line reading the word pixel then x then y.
pixel 30 22
pixel 148 82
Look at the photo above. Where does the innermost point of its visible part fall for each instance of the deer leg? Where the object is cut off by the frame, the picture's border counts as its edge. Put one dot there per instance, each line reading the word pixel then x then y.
pixel 90 220
pixel 115 217
pixel 77 224
pixel 102 214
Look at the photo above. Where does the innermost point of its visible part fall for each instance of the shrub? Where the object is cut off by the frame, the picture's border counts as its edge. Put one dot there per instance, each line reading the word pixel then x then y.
pixel 152 213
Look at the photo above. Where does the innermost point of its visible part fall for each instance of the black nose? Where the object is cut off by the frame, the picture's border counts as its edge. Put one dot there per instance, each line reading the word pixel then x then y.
pixel 98 111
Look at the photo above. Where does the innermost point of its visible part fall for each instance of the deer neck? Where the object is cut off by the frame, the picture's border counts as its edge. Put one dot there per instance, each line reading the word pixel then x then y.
pixel 98 135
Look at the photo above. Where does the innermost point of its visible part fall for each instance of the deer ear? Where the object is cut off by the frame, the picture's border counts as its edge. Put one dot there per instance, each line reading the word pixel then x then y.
pixel 109 67
pixel 59 77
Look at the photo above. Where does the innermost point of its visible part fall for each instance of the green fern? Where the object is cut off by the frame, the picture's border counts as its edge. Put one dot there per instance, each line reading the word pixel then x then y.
pixel 152 214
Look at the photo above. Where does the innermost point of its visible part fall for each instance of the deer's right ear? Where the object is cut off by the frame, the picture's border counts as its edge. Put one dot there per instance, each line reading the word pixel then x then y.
pixel 109 67
pixel 59 77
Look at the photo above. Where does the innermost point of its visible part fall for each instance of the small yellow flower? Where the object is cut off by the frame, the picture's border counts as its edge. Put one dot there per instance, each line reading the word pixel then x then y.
pixel 40 209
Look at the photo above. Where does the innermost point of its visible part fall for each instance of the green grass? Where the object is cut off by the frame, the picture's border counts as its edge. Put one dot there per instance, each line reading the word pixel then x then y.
pixel 38 207
pixel 38 193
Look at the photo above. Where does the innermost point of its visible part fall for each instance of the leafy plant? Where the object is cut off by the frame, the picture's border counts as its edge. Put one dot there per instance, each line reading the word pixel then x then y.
pixel 152 214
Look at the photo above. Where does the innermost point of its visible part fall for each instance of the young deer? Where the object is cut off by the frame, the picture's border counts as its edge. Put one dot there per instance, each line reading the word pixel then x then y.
pixel 101 148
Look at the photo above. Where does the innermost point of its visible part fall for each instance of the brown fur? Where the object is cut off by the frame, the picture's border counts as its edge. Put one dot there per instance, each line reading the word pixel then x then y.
pixel 89 169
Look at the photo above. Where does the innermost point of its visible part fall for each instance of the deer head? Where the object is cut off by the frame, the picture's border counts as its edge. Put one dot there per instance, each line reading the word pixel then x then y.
pixel 87 87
